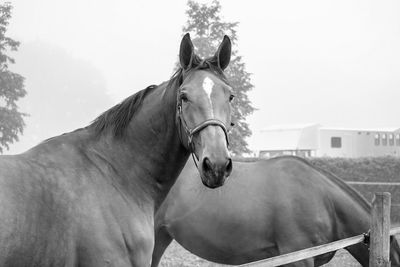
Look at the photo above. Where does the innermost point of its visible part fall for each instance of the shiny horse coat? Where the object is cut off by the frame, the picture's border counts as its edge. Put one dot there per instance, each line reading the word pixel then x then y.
pixel 88 198
pixel 267 208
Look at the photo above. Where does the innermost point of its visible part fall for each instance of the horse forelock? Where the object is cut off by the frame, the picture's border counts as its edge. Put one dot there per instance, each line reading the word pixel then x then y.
pixel 209 64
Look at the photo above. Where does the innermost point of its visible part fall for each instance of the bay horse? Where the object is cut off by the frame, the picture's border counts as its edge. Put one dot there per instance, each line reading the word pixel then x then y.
pixel 88 197
pixel 268 208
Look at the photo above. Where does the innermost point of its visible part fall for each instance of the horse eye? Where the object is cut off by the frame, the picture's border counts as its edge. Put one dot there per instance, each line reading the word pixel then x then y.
pixel 184 98
pixel 231 97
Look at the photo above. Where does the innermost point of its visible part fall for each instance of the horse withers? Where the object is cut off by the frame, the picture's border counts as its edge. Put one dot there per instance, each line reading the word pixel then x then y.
pixel 88 198
pixel 268 208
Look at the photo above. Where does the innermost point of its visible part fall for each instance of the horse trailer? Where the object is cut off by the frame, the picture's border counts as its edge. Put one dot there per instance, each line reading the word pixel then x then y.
pixel 314 140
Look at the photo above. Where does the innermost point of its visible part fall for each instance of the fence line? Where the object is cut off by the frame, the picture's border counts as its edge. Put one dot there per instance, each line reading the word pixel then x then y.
pixel 380 225
pixel 371 183
pixel 307 253
pixel 375 184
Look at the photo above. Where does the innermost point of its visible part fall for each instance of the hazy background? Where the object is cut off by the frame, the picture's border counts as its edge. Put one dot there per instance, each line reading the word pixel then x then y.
pixel 331 62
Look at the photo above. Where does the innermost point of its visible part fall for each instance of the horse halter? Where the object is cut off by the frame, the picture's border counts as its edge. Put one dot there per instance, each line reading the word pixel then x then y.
pixel 190 132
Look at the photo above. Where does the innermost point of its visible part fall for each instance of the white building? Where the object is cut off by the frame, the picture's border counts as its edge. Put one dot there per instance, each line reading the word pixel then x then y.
pixel 314 140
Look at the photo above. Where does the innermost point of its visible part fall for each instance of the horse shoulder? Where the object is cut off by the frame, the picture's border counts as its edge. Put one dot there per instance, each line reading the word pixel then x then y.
pixel 119 229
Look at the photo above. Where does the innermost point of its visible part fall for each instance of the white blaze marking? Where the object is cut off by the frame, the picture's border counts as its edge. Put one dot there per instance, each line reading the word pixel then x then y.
pixel 208 86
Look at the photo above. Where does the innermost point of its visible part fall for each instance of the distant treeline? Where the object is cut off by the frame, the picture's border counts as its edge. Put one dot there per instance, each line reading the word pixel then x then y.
pixel 372 169
pixel 379 169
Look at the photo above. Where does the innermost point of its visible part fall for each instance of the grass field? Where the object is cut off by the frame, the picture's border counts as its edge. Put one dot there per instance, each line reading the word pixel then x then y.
pixel 176 256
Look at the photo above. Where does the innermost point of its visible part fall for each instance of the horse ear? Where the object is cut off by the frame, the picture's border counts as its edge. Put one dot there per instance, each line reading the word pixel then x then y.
pixel 186 52
pixel 223 54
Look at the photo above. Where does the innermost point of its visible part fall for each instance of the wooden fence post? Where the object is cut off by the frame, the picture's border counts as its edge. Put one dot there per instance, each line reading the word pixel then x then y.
pixel 380 228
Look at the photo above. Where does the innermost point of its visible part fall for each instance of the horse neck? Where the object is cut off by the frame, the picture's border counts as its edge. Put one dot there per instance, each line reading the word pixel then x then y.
pixel 150 155
pixel 352 218
pixel 352 210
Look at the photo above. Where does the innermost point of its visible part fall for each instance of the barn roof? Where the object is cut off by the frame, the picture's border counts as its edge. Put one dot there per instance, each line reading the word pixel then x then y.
pixel 284 127
pixel 383 129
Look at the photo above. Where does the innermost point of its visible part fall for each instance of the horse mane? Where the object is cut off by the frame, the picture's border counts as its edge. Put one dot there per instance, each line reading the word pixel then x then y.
pixel 340 183
pixel 118 117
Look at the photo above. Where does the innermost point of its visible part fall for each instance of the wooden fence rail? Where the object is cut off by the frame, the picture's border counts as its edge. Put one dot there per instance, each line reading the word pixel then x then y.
pixel 379 240
pixel 372 183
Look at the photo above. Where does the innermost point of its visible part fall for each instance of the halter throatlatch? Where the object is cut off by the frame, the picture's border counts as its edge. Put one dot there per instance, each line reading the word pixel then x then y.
pixel 190 132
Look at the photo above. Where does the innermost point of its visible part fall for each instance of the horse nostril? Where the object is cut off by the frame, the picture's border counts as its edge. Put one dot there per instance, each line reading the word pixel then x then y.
pixel 228 167
pixel 207 166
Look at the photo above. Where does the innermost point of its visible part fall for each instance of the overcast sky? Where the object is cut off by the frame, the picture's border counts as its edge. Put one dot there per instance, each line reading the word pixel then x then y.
pixel 331 62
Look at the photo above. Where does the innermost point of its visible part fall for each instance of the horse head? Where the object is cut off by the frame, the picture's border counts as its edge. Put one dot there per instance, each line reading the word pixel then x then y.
pixel 204 110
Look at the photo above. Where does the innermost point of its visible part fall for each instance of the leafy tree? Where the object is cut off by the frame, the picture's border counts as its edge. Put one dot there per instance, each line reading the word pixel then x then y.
pixel 11 85
pixel 207 30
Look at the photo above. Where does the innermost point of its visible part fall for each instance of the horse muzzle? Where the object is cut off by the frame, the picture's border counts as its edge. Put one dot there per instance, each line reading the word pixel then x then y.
pixel 215 170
